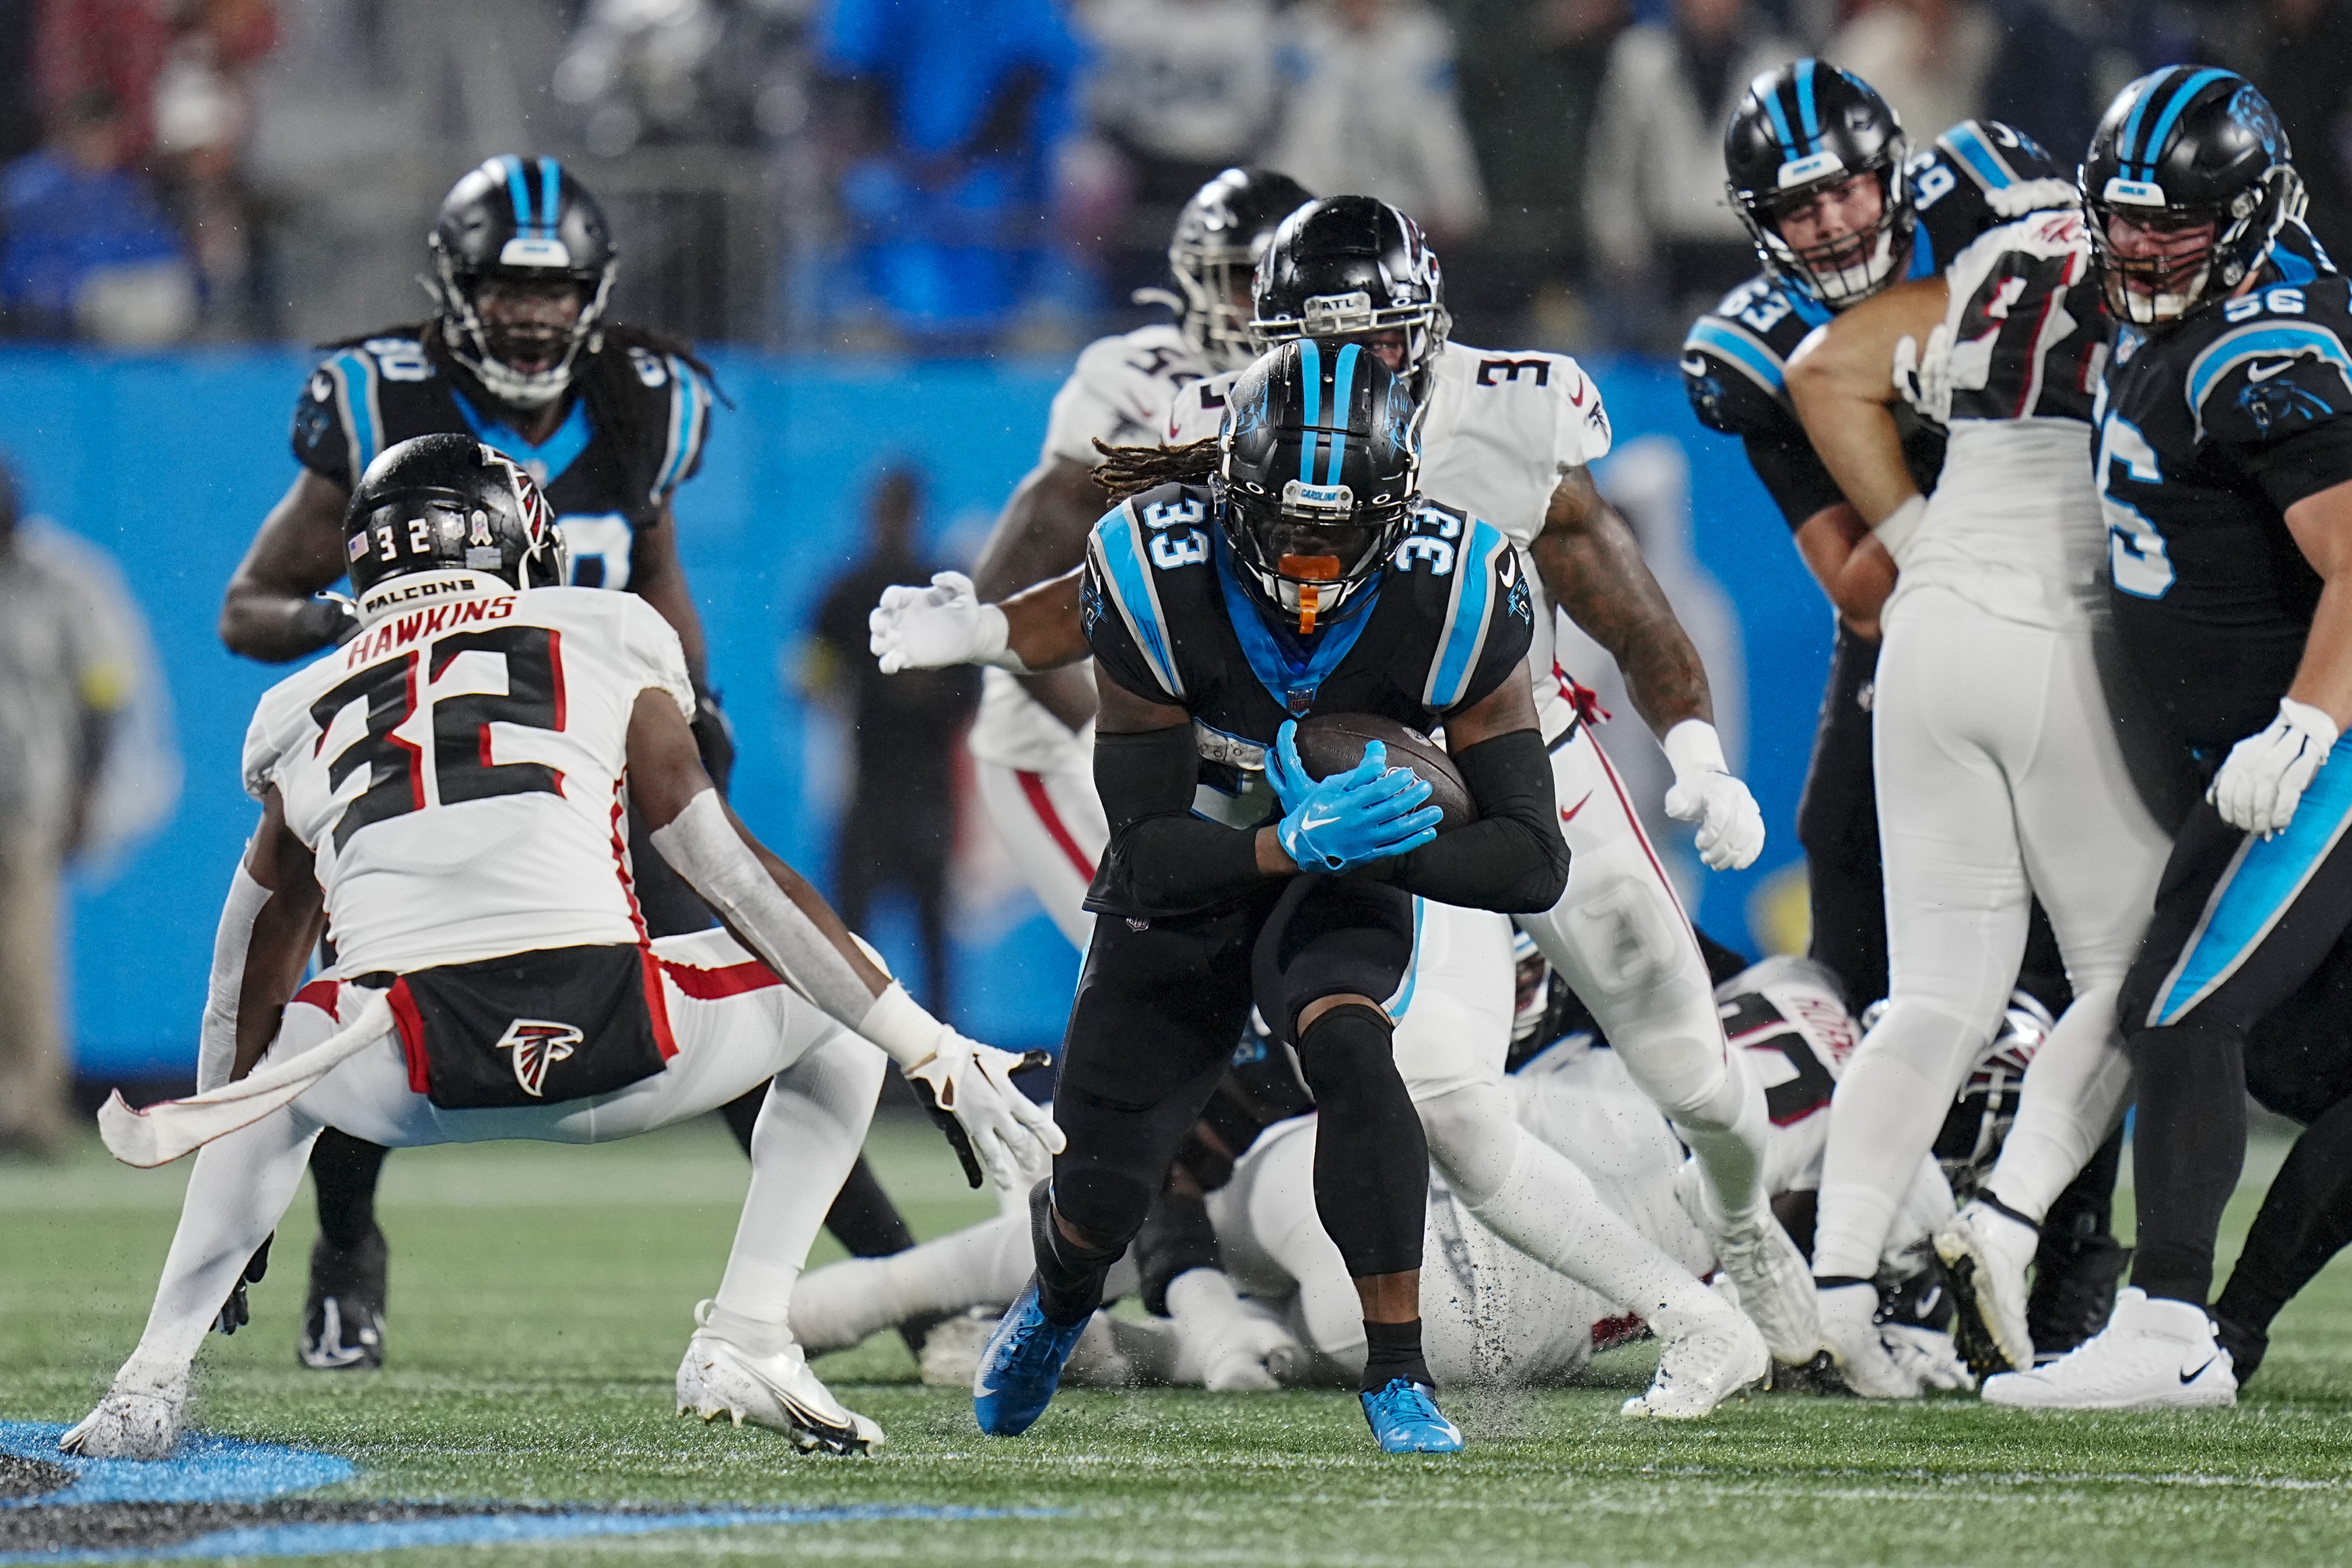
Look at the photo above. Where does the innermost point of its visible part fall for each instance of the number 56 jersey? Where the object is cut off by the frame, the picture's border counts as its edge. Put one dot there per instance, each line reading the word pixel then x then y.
pixel 457 769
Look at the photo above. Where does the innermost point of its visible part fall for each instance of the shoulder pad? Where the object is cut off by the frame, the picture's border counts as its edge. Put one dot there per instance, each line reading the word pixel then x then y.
pixel 682 401
pixel 1160 530
pixel 1734 360
pixel 343 405
pixel 1978 175
pixel 1199 411
pixel 2277 372
pixel 1478 564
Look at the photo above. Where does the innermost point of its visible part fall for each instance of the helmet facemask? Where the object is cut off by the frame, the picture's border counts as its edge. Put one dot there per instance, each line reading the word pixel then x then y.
pixel 1310 550
pixel 2153 290
pixel 1844 271
pixel 476 344
pixel 1353 318
pixel 1214 312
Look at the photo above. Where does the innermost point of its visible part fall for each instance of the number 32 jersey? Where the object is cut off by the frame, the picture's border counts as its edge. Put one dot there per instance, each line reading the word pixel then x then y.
pixel 457 771
pixel 2207 433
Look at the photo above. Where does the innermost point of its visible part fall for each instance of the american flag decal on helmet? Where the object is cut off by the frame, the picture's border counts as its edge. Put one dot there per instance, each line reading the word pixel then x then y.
pixel 538 1045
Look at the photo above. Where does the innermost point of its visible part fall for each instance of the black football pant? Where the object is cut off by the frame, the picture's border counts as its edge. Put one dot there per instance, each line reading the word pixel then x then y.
pixel 2242 925
pixel 1159 1008
pixel 1837 823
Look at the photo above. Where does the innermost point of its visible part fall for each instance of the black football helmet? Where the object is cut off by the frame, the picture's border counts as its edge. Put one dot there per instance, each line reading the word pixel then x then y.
pixel 1800 129
pixel 442 505
pixel 1319 460
pixel 2181 147
pixel 1348 265
pixel 1220 234
pixel 528 218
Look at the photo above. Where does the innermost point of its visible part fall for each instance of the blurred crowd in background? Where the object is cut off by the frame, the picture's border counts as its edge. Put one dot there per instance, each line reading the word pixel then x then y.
pixel 951 176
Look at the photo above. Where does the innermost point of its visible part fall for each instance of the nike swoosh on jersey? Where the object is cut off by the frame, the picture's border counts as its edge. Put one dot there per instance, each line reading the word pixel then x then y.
pixel 1567 813
pixel 2189 1377
pixel 2264 372
pixel 1693 365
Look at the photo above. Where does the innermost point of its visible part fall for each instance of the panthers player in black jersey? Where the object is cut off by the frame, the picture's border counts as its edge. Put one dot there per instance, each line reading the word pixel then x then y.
pixel 1841 208
pixel 1302 577
pixel 610 419
pixel 2225 463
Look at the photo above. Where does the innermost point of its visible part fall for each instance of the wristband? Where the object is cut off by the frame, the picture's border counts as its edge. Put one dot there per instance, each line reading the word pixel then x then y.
pixel 1900 529
pixel 909 1034
pixel 995 645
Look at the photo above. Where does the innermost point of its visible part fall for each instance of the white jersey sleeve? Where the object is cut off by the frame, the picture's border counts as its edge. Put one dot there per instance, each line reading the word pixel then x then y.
pixel 456 770
pixel 1198 411
pixel 1120 393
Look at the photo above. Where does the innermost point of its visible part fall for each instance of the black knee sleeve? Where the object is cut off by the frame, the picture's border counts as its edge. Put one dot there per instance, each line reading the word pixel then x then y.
pixel 346 1170
pixel 1176 1238
pixel 1371 1160
pixel 1069 1277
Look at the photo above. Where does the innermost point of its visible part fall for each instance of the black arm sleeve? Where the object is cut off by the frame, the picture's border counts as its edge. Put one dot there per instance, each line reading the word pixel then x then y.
pixel 1798 481
pixel 1512 858
pixel 1163 861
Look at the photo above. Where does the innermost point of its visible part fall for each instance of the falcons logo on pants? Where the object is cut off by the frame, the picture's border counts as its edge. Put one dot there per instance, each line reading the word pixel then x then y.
pixel 538 1044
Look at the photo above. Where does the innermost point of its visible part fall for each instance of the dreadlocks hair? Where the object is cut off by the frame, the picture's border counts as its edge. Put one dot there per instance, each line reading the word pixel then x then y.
pixel 1132 470
pixel 616 399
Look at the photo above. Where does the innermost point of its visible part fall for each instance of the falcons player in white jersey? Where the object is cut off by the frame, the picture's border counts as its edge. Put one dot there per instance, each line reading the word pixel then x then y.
pixel 1033 744
pixel 1509 437
pixel 1279 1308
pixel 446 794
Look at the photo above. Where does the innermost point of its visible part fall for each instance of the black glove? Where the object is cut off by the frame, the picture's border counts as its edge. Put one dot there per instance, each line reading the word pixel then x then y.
pixel 234 1312
pixel 714 738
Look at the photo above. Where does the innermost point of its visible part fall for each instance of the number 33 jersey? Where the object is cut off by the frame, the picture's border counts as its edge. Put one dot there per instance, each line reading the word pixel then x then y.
pixel 457 771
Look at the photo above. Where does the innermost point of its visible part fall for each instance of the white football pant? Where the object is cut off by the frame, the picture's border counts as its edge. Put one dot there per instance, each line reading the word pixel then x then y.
pixel 821 1084
pixel 2000 776
pixel 1053 826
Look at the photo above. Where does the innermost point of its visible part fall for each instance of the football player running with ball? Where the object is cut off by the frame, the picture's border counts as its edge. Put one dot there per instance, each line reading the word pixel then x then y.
pixel 447 790
pixel 1299 579
pixel 2225 461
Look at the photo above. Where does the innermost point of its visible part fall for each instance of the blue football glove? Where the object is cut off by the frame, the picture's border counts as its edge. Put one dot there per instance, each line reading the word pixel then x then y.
pixel 1336 824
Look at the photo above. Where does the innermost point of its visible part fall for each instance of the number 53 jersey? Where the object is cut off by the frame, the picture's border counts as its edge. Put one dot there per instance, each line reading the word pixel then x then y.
pixel 457 769
pixel 2208 431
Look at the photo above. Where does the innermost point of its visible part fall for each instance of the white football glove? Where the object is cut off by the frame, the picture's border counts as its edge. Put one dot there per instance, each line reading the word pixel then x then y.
pixel 1925 1353
pixel 1923 375
pixel 2260 785
pixel 968 1089
pixel 1236 1349
pixel 1731 825
pixel 932 628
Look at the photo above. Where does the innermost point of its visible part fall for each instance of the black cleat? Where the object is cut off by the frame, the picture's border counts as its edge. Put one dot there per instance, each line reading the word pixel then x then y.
pixel 2246 1346
pixel 2071 1303
pixel 343 1322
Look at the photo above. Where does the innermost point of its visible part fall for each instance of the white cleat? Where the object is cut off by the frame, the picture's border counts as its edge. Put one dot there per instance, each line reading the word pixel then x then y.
pixel 1699 1370
pixel 1928 1354
pixel 1850 1329
pixel 1985 1254
pixel 778 1392
pixel 1775 1286
pixel 2154 1354
pixel 137 1420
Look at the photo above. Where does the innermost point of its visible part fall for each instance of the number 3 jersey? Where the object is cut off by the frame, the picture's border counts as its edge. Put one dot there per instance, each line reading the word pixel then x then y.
pixel 457 771
pixel 2208 431
pixel 1448 621
pixel 1975 176
pixel 633 435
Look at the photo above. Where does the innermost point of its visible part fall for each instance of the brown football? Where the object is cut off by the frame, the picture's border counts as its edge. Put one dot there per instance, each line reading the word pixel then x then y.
pixel 1333 742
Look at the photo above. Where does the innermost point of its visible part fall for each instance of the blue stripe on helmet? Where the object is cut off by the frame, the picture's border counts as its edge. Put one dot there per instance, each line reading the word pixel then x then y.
pixel 2130 138
pixel 1808 116
pixel 1311 371
pixel 2153 148
pixel 517 191
pixel 1343 394
pixel 1780 119
pixel 550 178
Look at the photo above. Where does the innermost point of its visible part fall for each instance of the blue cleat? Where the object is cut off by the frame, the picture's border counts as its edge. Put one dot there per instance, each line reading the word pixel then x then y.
pixel 1022 1367
pixel 1405 1419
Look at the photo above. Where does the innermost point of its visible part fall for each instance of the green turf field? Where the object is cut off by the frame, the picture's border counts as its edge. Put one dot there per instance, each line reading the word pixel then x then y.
pixel 540 1301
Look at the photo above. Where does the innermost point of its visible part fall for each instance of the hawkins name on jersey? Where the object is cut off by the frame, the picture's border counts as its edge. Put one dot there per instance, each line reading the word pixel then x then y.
pixel 2208 431
pixel 1120 392
pixel 1446 620
pixel 456 769
pixel 1979 174
pixel 387 390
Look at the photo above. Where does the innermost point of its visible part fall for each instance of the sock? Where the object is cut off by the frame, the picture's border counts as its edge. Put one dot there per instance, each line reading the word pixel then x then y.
pixel 2072 1094
pixel 808 1137
pixel 1069 1277
pixel 1392 1351
pixel 1881 1121
pixel 346 1170
pixel 2189 1145
pixel 1726 1133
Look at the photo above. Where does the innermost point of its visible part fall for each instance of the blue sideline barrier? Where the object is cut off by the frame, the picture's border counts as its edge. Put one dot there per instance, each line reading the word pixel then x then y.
pixel 171 461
